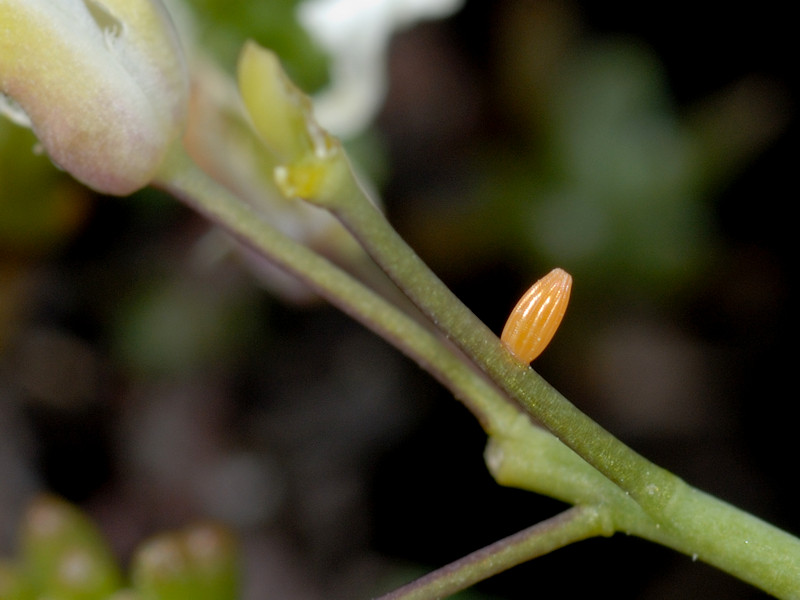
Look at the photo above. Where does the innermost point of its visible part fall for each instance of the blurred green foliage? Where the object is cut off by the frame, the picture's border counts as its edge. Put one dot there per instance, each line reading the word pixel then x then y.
pixel 39 207
pixel 222 27
pixel 168 325
pixel 63 556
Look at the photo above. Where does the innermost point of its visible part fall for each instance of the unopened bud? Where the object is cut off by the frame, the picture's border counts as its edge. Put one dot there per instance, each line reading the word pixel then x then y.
pixel 101 82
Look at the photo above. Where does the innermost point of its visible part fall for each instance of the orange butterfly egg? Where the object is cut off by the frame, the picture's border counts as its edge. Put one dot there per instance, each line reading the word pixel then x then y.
pixel 535 318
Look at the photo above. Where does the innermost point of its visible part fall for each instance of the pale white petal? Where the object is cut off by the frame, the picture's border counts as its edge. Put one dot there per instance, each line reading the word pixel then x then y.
pixel 356 35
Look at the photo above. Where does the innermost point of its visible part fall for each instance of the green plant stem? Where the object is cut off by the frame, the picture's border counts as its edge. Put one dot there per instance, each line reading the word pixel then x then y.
pixel 498 416
pixel 692 522
pixel 190 184
pixel 745 546
pixel 695 523
pixel 573 525
pixel 341 194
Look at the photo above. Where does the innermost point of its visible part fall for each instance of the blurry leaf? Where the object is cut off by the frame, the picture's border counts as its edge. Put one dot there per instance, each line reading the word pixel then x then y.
pixel 224 24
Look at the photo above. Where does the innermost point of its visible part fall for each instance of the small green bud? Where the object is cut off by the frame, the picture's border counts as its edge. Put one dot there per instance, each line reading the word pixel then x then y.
pixel 200 562
pixel 160 569
pixel 63 553
pixel 311 163
pixel 281 113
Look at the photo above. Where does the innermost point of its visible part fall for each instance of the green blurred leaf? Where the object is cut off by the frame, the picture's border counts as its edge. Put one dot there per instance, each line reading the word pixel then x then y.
pixel 224 25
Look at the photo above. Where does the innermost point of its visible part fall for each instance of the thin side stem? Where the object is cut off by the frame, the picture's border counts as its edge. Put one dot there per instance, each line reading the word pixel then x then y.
pixel 695 523
pixel 571 526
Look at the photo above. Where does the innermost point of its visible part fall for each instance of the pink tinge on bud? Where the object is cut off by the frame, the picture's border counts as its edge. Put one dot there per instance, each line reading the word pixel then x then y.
pixel 102 83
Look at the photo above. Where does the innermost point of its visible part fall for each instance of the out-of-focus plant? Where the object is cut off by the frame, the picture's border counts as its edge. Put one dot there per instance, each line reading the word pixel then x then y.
pixel 137 113
pixel 63 555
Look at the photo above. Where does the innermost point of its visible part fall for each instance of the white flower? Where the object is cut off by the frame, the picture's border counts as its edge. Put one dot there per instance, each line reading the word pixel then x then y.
pixel 101 82
pixel 356 35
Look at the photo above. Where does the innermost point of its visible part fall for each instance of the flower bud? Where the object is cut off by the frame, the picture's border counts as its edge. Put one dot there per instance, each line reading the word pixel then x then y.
pixel 101 82
pixel 311 162
pixel 64 554
pixel 281 113
pixel 201 563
